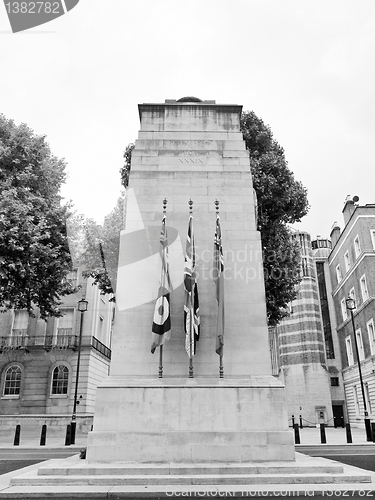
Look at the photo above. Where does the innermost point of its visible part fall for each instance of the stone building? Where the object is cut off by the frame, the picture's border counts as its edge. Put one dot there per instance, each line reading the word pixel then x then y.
pixel 352 271
pixel 302 344
pixel 38 362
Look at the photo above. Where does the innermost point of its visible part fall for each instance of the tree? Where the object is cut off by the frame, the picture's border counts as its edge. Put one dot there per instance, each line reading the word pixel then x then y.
pixel 281 201
pixel 96 247
pixel 125 169
pixel 34 252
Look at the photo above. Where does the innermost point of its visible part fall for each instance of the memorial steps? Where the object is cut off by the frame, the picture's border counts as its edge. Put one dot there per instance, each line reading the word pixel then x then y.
pixel 312 473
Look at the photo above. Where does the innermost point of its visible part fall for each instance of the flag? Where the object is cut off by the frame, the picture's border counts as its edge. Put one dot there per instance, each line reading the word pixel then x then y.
pixel 218 275
pixel 191 305
pixel 161 326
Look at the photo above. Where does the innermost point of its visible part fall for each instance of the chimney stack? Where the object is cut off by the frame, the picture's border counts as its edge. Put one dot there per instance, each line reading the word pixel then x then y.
pixel 335 233
pixel 349 208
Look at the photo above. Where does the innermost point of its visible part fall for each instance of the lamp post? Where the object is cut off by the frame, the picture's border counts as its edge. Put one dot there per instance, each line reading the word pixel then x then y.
pixel 350 305
pixel 82 307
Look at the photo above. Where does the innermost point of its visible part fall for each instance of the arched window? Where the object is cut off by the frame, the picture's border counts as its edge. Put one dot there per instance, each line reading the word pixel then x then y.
pixel 60 379
pixel 12 384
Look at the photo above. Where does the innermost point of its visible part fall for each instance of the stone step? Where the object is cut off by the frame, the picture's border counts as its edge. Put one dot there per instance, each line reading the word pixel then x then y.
pixel 166 480
pixel 183 469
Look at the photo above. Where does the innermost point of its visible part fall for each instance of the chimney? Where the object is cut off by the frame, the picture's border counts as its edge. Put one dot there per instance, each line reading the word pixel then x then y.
pixel 348 209
pixel 335 234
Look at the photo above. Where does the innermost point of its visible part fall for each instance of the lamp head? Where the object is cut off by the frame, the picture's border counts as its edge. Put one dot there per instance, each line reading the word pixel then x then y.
pixel 82 305
pixel 350 304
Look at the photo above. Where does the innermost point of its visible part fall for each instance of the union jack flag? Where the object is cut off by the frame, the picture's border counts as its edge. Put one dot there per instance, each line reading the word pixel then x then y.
pixel 191 305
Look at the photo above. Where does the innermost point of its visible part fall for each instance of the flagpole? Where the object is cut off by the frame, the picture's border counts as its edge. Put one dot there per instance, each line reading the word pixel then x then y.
pixel 162 283
pixel 221 365
pixel 191 312
pixel 161 361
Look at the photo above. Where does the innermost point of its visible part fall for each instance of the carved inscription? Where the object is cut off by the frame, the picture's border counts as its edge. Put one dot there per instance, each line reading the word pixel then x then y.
pixel 190 160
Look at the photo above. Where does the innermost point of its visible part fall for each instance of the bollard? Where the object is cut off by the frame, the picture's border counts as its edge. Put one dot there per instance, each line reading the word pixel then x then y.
pixel 73 432
pixel 300 422
pixel 68 435
pixel 323 439
pixel 296 434
pixel 17 435
pixel 348 434
pixel 373 431
pixel 43 435
pixel 293 421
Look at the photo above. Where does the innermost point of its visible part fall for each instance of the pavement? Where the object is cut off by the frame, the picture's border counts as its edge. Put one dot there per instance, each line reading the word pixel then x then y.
pixel 310 439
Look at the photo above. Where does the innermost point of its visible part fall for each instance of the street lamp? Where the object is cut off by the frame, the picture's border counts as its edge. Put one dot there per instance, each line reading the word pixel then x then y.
pixel 82 307
pixel 350 305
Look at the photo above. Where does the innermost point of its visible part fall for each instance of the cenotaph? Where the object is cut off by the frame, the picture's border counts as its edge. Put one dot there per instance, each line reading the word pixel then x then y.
pixel 190 150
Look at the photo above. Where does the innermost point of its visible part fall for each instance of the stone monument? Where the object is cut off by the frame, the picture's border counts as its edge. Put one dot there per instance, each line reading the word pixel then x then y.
pixel 190 150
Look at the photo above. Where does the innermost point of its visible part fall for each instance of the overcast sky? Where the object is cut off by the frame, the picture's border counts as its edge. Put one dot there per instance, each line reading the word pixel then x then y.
pixel 306 67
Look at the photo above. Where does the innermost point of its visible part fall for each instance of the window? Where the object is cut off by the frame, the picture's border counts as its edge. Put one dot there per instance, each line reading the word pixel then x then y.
pixel 72 277
pixel 344 311
pixel 347 261
pixel 349 350
pixel 12 385
pixel 357 247
pixel 372 232
pixel 361 351
pixel 64 329
pixel 371 335
pixel 364 290
pixel 352 296
pixel 20 323
pixel 60 379
pixel 335 381
pixel 338 273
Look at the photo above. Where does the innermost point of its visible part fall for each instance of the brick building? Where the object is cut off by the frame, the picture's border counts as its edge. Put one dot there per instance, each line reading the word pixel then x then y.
pixel 38 361
pixel 352 271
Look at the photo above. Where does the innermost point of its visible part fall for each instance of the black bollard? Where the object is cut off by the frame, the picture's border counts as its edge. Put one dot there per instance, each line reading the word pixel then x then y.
pixel 43 435
pixel 293 421
pixel 17 435
pixel 73 432
pixel 68 435
pixel 297 439
pixel 373 431
pixel 323 439
pixel 348 433
pixel 300 422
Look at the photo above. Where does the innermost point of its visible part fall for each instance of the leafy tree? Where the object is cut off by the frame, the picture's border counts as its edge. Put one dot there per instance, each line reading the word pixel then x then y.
pixel 281 201
pixel 34 252
pixel 125 169
pixel 96 246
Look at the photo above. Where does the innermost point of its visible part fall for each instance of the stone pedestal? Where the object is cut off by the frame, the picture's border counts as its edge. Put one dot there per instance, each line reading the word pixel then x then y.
pixel 190 150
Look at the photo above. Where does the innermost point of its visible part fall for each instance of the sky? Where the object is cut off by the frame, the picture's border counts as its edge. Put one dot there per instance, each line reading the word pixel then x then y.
pixel 306 67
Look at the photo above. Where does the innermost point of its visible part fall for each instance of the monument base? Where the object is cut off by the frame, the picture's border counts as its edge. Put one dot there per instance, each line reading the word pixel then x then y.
pixel 190 421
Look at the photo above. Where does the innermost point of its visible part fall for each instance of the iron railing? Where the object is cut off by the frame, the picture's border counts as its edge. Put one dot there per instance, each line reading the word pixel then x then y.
pixel 63 340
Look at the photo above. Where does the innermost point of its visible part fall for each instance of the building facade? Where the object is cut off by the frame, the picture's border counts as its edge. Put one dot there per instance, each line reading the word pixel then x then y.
pixel 352 272
pixel 302 348
pixel 38 360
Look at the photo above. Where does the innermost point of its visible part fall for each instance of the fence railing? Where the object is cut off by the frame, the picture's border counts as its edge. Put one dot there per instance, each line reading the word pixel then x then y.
pixel 63 340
